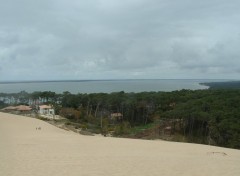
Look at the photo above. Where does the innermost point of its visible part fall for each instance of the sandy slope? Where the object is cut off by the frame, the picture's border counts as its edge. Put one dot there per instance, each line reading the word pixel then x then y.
pixel 51 151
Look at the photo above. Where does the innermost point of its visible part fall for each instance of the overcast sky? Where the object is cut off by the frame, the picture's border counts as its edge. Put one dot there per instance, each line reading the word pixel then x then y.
pixel 119 39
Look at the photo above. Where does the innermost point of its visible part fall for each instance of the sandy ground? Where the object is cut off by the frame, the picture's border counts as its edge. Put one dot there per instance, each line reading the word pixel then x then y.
pixel 25 151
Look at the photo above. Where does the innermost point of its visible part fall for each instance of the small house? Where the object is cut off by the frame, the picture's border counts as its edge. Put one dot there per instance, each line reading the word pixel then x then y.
pixel 167 130
pixel 116 116
pixel 46 110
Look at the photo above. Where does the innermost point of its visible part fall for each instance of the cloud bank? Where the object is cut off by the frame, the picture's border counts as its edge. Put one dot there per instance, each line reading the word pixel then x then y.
pixel 105 39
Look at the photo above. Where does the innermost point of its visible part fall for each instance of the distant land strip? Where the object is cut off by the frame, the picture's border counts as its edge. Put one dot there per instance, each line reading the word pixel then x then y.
pixel 88 80
pixel 223 85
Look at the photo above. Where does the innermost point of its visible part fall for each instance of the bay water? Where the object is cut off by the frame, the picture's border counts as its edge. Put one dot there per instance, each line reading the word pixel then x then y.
pixel 104 86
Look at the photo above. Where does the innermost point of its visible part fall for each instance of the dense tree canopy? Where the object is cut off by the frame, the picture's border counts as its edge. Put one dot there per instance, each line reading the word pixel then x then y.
pixel 202 116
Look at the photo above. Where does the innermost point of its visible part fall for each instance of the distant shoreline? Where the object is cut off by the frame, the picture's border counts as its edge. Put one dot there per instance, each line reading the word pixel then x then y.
pixel 95 80
pixel 222 85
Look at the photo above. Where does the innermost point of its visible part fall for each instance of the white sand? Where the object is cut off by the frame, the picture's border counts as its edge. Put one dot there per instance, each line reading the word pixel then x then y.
pixel 25 151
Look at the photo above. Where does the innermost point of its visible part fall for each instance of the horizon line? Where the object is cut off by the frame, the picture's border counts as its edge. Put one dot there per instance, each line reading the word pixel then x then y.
pixel 88 80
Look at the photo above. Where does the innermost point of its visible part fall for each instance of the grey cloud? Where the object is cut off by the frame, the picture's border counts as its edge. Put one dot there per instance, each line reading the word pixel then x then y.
pixel 119 39
pixel 203 55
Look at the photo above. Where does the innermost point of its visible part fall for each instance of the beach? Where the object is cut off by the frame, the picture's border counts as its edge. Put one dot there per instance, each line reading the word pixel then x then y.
pixel 31 147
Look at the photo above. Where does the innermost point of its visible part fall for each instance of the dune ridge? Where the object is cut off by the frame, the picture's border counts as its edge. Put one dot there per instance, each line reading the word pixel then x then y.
pixel 27 150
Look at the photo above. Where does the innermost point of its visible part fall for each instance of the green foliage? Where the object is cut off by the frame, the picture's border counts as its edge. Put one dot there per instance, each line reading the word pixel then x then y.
pixel 70 113
pixel 223 85
pixel 201 116
pixel 121 129
pixel 138 129
pixel 2 105
pixel 210 116
pixel 104 126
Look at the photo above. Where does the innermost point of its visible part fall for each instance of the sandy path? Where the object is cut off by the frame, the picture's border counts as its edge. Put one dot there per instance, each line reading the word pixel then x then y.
pixel 25 151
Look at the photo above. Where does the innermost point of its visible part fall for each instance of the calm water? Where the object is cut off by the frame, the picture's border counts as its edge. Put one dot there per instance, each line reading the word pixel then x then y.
pixel 104 86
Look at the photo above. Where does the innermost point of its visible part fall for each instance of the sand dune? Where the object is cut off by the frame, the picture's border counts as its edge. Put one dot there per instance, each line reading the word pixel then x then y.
pixel 25 151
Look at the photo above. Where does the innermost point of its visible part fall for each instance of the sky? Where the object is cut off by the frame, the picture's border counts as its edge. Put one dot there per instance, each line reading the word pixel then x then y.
pixel 119 39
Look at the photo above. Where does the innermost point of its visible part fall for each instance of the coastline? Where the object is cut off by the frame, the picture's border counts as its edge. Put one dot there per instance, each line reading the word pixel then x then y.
pixel 222 85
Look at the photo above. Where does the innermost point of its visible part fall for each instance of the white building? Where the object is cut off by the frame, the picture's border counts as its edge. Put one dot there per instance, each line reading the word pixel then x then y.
pixel 46 110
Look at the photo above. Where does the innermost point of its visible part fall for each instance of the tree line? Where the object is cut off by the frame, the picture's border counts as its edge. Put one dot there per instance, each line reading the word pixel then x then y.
pixel 201 116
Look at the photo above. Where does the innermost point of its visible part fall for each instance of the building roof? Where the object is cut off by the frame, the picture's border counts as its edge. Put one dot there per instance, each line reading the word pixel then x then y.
pixel 23 108
pixel 168 128
pixel 18 108
pixel 45 107
pixel 116 114
pixel 9 108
